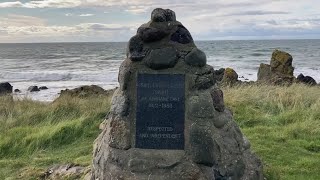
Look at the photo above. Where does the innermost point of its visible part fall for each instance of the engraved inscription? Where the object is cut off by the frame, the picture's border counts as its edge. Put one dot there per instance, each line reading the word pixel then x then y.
pixel 160 111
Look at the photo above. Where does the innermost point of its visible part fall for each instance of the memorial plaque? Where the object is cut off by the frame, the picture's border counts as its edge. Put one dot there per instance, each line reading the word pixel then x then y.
pixel 160 111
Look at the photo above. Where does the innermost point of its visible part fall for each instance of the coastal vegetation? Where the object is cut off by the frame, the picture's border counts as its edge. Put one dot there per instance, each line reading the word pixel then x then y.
pixel 282 124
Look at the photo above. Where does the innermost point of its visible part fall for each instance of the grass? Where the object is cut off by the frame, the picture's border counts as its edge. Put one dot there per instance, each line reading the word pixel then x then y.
pixel 35 135
pixel 282 124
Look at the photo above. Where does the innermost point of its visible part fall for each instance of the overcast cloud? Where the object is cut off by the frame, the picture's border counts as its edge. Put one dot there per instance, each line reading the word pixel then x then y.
pixel 117 20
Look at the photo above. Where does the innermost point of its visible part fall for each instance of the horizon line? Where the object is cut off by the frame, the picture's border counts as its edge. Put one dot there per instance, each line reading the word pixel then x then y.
pixel 52 42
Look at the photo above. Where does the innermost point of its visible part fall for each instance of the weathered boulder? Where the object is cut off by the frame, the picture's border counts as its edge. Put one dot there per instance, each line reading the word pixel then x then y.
pixel 33 89
pixel 162 58
pixel 281 62
pixel 280 70
pixel 135 50
pixel 17 91
pixel 218 74
pixel 182 35
pixel 5 88
pixel 150 34
pixel 43 88
pixel 86 91
pixel 264 72
pixel 172 81
pixel 306 80
pixel 196 58
pixel 163 15
pixel 230 77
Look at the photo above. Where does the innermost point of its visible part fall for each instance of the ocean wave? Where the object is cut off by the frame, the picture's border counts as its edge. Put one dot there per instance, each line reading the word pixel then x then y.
pixel 257 54
pixel 110 76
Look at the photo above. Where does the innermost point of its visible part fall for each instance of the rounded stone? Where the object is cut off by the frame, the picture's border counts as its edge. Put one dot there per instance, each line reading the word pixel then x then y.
pixel 182 35
pixel 163 15
pixel 170 15
pixel 196 58
pixel 150 34
pixel 202 146
pixel 119 104
pixel 246 143
pixel 17 91
pixel 5 88
pixel 135 49
pixel 43 88
pixel 33 89
pixel 201 106
pixel 204 82
pixel 124 74
pixel 162 58
pixel 217 99
pixel 222 118
pixel 119 134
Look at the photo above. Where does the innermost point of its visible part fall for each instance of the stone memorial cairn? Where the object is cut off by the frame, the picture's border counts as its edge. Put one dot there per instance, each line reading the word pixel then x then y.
pixel 168 120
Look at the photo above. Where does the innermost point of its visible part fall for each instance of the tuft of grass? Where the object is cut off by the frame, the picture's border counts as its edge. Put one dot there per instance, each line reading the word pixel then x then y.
pixel 36 135
pixel 283 126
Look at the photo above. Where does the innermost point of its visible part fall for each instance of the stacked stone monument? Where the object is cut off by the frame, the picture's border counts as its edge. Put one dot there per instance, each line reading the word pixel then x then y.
pixel 168 119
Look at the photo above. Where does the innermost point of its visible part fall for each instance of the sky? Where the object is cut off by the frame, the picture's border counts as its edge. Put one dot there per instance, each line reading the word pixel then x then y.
pixel 117 20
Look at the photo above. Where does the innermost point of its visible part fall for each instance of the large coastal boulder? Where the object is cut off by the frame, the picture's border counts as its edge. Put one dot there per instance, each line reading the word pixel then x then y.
pixel 5 88
pixel 230 77
pixel 168 120
pixel 280 70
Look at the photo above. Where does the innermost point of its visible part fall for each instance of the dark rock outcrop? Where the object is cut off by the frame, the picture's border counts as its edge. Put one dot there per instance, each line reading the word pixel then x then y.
pixel 86 91
pixel 33 89
pixel 17 91
pixel 214 147
pixel 5 88
pixel 43 88
pixel 280 70
pixel 306 80
pixel 218 74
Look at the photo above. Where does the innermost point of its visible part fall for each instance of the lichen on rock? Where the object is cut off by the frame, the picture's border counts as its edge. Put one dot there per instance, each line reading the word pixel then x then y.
pixel 280 70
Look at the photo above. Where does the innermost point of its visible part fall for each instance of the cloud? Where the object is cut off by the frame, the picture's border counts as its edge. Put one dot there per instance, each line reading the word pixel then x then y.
pixel 11 4
pixel 250 13
pixel 21 21
pixel 205 19
pixel 17 28
pixel 86 15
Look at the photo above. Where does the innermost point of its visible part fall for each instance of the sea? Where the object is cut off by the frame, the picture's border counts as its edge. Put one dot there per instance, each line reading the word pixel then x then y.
pixel 68 65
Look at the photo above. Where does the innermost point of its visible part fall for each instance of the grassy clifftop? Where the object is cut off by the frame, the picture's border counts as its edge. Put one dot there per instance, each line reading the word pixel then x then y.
pixel 282 123
pixel 35 135
pixel 283 126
